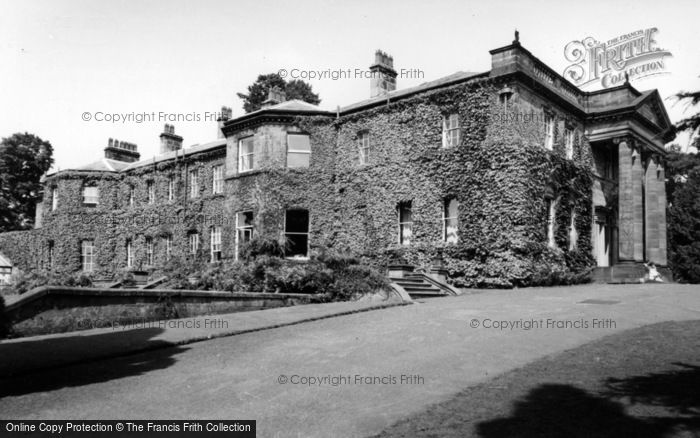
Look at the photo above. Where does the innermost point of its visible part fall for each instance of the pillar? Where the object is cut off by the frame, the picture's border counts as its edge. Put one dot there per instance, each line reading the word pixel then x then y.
pixel 651 211
pixel 630 205
pixel 661 200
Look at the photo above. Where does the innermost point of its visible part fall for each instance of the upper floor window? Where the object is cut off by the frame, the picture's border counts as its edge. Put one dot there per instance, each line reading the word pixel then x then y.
pixel 171 188
pixel 91 195
pixel 151 189
pixel 298 150
pixel 194 183
pixel 405 223
pixel 296 232
pixel 215 244
pixel 244 229
pixel 218 179
pixel 246 154
pixel 548 131
pixel 54 198
pixel 131 196
pixel 569 142
pixel 87 255
pixel 168 241
pixel 194 242
pixel 450 221
pixel 450 130
pixel 364 146
pixel 129 254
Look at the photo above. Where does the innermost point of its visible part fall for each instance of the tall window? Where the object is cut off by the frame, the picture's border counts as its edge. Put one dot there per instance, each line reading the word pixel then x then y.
pixel 218 179
pixel 246 154
pixel 298 150
pixel 149 251
pixel 54 198
pixel 5 274
pixel 296 232
pixel 194 183
pixel 548 131
pixel 450 131
pixel 194 242
pixel 573 232
pixel 365 147
pixel 131 196
pixel 569 142
pixel 151 188
pixel 171 188
pixel 168 241
pixel 244 229
pixel 49 255
pixel 551 217
pixel 215 244
pixel 91 195
pixel 87 255
pixel 129 254
pixel 405 223
pixel 450 215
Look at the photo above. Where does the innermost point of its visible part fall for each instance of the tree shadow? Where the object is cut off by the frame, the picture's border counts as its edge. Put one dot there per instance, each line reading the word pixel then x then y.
pixel 47 364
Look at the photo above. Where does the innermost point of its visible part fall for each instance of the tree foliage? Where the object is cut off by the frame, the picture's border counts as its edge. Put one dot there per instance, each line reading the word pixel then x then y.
pixel 24 158
pixel 294 89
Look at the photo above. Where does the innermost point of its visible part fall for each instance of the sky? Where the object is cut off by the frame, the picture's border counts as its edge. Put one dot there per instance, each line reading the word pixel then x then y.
pixel 60 59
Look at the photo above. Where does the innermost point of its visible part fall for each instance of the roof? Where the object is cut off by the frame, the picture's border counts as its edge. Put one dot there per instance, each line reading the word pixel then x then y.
pixel 194 149
pixel 104 165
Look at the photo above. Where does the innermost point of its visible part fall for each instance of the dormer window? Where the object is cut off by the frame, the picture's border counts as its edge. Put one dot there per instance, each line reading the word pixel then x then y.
pixel 246 154
pixel 91 196
pixel 450 130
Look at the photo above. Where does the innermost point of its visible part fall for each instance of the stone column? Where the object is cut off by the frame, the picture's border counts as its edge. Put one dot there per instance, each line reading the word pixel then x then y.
pixel 651 211
pixel 661 199
pixel 630 206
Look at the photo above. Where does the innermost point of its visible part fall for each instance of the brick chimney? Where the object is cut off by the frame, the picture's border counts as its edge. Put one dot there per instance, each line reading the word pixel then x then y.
pixel 169 141
pixel 383 75
pixel 121 151
pixel 226 114
pixel 274 96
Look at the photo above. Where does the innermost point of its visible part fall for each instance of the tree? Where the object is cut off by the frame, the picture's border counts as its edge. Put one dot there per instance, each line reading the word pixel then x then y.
pixel 24 158
pixel 294 89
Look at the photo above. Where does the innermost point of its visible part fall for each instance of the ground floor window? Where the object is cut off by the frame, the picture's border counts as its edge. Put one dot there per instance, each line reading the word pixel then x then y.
pixel 215 244
pixel 244 229
pixel 450 220
pixel 168 240
pixel 551 216
pixel 87 255
pixel 129 254
pixel 194 242
pixel 296 232
pixel 405 222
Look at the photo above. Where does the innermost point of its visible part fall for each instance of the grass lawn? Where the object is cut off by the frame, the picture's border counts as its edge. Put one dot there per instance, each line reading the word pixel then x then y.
pixel 640 383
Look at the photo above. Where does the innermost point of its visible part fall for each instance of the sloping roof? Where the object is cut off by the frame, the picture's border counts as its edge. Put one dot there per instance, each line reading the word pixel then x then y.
pixel 197 148
pixel 104 165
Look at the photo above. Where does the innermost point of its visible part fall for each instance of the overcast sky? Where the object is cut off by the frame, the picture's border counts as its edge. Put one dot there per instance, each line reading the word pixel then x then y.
pixel 59 59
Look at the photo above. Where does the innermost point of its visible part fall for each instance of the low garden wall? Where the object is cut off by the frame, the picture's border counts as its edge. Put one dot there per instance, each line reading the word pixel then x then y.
pixel 56 309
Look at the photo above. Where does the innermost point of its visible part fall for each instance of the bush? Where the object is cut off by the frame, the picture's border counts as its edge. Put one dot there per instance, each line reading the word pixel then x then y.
pixel 22 282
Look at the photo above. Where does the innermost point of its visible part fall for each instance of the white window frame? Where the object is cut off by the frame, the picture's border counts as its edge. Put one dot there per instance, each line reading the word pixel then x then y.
pixel 194 242
pixel 88 198
pixel 168 240
pixel 548 121
pixel 171 188
pixel 551 219
pixel 217 185
pixel 87 255
pixel 150 250
pixel 450 130
pixel 194 183
pixel 291 151
pixel 54 198
pixel 129 253
pixel 247 158
pixel 405 226
pixel 450 221
pixel 299 233
pixel 364 145
pixel 151 192
pixel 131 195
pixel 573 232
pixel 244 232
pixel 569 142
pixel 215 244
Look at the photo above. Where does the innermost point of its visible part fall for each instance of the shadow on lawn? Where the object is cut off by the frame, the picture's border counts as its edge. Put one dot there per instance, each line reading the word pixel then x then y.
pixel 44 365
pixel 553 410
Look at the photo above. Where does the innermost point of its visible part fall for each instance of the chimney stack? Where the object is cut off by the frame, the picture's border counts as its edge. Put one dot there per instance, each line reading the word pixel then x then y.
pixel 274 96
pixel 383 78
pixel 121 151
pixel 226 114
pixel 169 141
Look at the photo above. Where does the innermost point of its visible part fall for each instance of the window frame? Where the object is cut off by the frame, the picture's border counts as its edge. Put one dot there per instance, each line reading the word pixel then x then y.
pixel 87 258
pixel 171 188
pixel 129 247
pixel 193 239
pixel 54 198
pixel 364 144
pixel 217 183
pixel 405 226
pixel 548 122
pixel 298 233
pixel 446 221
pixel 450 131
pixel 569 142
pixel 193 175
pixel 215 244
pixel 96 196
pixel 168 241
pixel 291 151
pixel 243 230
pixel 250 154
pixel 151 192
pixel 150 250
pixel 551 205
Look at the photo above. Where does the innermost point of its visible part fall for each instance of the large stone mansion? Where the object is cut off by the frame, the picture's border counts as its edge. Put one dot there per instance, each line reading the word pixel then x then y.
pixel 504 172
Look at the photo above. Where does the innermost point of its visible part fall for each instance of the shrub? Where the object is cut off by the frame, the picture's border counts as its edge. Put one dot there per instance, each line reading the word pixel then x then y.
pixel 24 282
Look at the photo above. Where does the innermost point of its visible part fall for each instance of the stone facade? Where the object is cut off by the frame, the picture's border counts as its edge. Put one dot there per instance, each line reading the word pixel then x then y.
pixel 508 175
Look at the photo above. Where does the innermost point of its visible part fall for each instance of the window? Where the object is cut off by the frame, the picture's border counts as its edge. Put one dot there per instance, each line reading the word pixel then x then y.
pixel 5 274
pixel 298 150
pixel 49 255
pixel 573 233
pixel 149 251
pixel 129 254
pixel 450 215
pixel 151 188
pixel 551 216
pixel 218 180
pixel 244 229
pixel 194 183
pixel 131 196
pixel 246 154
pixel 87 255
pixel 364 145
pixel 548 131
pixel 194 242
pixel 405 223
pixel 296 232
pixel 171 188
pixel 504 98
pixel 168 240
pixel 450 131
pixel 54 198
pixel 91 195
pixel 215 244
pixel 569 142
